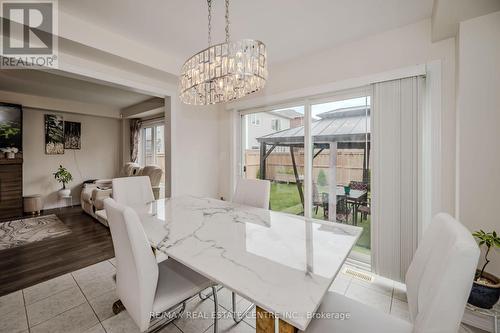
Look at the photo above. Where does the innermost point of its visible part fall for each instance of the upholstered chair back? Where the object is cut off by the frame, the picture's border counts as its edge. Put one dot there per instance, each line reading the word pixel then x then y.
pixel 154 173
pixel 136 269
pixel 133 191
pixel 130 169
pixel 440 276
pixel 253 192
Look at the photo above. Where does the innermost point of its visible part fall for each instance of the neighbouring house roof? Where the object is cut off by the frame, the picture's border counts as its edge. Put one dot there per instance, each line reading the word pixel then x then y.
pixel 287 113
pixel 342 125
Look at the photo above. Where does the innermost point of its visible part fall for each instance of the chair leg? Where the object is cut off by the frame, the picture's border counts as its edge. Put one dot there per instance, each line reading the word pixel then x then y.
pixel 237 317
pixel 216 309
pixel 118 307
pixel 204 297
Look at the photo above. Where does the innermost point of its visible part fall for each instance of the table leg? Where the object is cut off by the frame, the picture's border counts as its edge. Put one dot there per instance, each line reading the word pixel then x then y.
pixel 355 209
pixel 265 323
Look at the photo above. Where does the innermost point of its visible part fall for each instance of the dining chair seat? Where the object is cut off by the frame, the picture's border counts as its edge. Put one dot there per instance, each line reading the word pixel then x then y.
pixel 176 282
pixel 362 318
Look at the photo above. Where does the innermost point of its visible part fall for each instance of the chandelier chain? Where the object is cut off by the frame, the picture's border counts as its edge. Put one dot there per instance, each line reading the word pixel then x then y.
pixel 209 22
pixel 227 21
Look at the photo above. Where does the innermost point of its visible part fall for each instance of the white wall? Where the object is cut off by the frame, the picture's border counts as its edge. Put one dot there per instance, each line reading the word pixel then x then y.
pixel 400 48
pixel 478 125
pixel 194 149
pixel 98 158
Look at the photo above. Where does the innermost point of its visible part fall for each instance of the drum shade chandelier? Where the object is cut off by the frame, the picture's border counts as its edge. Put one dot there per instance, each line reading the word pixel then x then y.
pixel 223 72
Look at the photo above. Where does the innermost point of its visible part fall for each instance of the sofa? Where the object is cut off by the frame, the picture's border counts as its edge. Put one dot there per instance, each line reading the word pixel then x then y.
pixel 94 192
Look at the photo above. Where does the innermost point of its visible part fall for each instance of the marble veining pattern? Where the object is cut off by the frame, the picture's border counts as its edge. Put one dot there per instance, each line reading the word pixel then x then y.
pixel 20 232
pixel 281 262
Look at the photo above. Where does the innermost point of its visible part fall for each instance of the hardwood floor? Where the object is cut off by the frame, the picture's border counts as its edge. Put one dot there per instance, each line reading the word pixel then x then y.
pixel 89 243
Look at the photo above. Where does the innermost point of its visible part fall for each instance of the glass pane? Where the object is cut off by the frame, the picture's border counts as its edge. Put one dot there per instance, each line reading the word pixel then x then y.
pixel 160 153
pixel 160 148
pixel 148 146
pixel 273 149
pixel 341 164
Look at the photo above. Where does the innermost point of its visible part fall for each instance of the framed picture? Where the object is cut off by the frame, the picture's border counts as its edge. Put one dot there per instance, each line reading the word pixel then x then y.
pixel 54 134
pixel 72 134
pixel 11 122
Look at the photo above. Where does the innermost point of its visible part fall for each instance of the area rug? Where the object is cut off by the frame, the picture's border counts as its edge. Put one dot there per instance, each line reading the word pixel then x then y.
pixel 21 232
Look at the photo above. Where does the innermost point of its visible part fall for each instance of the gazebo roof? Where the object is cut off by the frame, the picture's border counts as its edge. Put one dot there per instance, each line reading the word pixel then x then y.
pixel 342 125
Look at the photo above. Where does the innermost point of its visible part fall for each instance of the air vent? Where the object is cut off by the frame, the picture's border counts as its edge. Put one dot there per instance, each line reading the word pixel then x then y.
pixel 358 275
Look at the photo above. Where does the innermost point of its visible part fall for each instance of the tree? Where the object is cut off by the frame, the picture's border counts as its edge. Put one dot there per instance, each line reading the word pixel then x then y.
pixel 322 178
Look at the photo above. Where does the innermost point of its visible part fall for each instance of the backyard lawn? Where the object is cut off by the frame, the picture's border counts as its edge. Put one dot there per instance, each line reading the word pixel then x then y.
pixel 285 198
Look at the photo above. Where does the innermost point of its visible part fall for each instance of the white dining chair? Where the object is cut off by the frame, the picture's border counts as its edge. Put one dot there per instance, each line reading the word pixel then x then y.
pixel 438 284
pixel 133 191
pixel 144 286
pixel 253 192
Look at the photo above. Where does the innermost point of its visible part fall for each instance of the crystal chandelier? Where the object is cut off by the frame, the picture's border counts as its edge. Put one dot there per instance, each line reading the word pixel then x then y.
pixel 223 72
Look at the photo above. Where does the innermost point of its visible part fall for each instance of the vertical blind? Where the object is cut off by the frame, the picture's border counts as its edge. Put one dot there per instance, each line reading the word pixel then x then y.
pixel 396 109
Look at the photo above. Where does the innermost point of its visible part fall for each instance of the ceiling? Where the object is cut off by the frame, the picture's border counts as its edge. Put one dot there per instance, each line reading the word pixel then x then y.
pixel 290 28
pixel 46 84
pixel 447 15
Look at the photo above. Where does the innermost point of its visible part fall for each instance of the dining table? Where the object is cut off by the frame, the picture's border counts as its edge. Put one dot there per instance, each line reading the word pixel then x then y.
pixel 283 263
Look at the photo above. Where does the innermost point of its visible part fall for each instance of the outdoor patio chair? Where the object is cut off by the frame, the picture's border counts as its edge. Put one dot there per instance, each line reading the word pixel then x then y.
pixel 360 186
pixel 343 210
pixel 317 199
pixel 364 206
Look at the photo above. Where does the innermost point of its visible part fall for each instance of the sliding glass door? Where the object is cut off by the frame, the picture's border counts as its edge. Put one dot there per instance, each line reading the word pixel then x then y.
pixel 331 181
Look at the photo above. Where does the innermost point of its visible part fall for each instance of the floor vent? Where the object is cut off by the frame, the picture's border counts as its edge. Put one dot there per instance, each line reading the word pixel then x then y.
pixel 359 275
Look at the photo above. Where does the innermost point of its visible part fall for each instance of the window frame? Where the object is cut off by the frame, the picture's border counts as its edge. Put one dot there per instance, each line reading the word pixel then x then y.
pixel 153 124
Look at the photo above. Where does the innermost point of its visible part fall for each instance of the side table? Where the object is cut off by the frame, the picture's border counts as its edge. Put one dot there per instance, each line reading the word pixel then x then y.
pixel 66 197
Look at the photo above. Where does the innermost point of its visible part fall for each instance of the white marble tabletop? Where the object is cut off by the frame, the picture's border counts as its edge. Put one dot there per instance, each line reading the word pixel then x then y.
pixel 283 263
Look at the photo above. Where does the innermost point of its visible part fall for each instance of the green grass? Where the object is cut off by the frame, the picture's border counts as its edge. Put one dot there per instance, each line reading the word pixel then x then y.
pixel 285 198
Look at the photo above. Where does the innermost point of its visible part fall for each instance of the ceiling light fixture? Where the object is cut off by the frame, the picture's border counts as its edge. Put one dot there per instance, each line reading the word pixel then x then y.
pixel 223 72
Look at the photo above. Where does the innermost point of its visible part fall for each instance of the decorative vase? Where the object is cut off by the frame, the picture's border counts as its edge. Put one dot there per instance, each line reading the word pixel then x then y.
pixel 485 295
pixel 64 192
pixel 10 155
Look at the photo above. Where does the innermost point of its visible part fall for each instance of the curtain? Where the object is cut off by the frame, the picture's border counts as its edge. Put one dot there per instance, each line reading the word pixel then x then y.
pixel 396 109
pixel 135 132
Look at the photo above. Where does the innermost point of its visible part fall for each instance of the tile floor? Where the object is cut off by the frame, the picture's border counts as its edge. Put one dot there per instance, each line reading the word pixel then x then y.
pixel 81 301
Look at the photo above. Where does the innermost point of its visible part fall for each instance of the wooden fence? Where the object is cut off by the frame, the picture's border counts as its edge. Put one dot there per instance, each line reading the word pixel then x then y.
pixel 279 165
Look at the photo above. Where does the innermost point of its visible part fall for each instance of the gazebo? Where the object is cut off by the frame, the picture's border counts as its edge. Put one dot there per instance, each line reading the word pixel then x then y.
pixel 347 128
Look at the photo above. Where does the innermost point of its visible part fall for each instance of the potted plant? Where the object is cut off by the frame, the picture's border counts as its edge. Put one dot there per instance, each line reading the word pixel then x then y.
pixel 10 152
pixel 62 175
pixel 486 287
